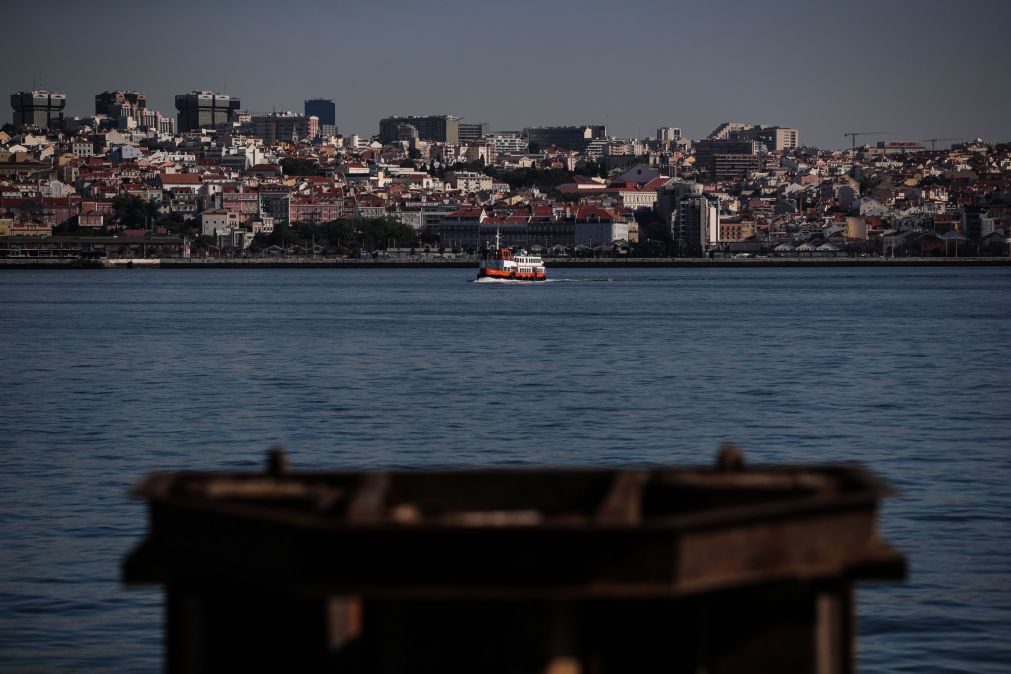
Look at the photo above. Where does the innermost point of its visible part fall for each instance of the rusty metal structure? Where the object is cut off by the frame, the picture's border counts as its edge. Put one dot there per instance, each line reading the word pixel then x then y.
pixel 596 571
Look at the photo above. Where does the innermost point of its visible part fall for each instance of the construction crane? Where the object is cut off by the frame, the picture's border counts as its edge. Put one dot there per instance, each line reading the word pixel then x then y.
pixel 933 141
pixel 854 134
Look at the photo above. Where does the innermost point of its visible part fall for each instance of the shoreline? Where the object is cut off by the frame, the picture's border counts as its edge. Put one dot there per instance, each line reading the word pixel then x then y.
pixel 584 263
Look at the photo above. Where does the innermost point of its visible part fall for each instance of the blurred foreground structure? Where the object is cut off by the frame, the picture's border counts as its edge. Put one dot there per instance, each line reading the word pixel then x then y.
pixel 725 569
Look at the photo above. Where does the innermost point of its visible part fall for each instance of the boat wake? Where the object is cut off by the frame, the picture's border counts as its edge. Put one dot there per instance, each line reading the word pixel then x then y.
pixel 505 281
pixel 512 282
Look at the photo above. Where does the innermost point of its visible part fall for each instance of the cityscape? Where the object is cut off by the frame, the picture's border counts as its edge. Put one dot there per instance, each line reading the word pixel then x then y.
pixel 214 179
pixel 533 337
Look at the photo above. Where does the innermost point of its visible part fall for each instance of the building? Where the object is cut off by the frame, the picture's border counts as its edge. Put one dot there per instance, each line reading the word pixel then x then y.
pixel 432 128
pixel 693 217
pixel 886 147
pixel 204 110
pixel 774 138
pixel 777 138
pixel 668 134
pixel 508 142
pixel 577 138
pixel 473 132
pixel 217 220
pixel 326 110
pixel 735 231
pixel 697 224
pixel 728 131
pixel 106 102
pixel 286 127
pixel 40 108
pixel 468 181
pixel 727 158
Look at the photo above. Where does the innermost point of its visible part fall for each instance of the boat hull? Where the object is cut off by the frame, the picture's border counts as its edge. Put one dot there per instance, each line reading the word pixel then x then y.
pixel 504 275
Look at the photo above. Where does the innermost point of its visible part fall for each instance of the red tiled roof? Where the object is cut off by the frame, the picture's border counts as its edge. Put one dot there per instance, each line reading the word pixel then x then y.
pixel 466 213
pixel 179 178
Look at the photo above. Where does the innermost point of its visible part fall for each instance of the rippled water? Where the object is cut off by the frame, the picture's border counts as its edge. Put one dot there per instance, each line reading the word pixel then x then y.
pixel 107 375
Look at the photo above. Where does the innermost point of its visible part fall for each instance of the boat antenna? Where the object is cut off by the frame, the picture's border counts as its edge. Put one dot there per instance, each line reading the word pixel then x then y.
pixel 498 245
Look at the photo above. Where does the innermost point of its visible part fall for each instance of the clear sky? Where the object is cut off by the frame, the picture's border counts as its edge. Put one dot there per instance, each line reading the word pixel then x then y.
pixel 919 69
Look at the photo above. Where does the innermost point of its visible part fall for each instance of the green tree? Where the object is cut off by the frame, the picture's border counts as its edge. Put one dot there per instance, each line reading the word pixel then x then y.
pixel 293 166
pixel 131 211
pixel 176 224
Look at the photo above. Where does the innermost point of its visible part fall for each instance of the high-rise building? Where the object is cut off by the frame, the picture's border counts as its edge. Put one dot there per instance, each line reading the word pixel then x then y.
pixel 728 130
pixel 473 131
pixel 106 101
pixel 775 138
pixel 284 127
pixel 204 109
pixel 43 109
pixel 508 142
pixel 726 158
pixel 697 222
pixel 692 215
pixel 576 138
pixel 326 110
pixel 668 134
pixel 432 128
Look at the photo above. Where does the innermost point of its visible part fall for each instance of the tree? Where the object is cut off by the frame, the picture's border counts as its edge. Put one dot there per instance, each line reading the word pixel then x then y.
pixel 174 223
pixel 131 211
pixel 293 166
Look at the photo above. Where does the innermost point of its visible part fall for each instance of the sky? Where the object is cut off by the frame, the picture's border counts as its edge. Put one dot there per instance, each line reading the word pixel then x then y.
pixel 918 70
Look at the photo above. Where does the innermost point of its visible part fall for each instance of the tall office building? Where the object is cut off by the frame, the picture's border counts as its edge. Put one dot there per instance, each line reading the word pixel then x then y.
pixel 697 221
pixel 775 138
pixel 106 102
pixel 432 128
pixel 508 142
pixel 727 158
pixel 577 138
pixel 668 134
pixel 473 132
pixel 284 127
pixel 43 109
pixel 326 110
pixel 692 215
pixel 204 109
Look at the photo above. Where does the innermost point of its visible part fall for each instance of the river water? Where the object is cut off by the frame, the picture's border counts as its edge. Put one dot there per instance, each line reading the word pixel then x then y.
pixel 108 375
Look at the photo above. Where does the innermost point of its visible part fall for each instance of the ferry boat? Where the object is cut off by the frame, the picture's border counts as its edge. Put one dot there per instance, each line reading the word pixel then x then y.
pixel 501 265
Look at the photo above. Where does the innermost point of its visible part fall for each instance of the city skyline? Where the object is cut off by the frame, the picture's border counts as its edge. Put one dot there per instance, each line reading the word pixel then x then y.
pixel 824 71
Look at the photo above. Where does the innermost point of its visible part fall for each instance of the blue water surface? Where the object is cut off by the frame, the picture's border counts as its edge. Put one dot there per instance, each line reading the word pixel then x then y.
pixel 108 375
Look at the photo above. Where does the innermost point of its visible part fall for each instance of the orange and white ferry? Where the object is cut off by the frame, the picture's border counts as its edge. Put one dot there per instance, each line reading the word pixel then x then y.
pixel 501 265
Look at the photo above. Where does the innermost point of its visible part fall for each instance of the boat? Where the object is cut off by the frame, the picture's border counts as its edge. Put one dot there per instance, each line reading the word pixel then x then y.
pixel 501 264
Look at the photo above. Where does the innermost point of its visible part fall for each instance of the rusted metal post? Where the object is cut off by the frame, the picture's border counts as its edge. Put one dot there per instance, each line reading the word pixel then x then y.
pixel 733 569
